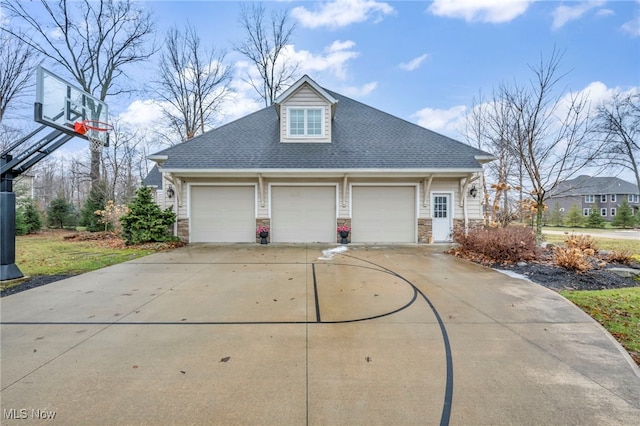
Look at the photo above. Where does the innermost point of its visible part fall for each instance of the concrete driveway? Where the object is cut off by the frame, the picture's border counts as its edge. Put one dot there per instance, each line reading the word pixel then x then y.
pixel 273 335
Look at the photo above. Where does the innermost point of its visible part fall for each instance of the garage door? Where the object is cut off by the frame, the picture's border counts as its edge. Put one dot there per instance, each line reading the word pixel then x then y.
pixel 223 214
pixel 383 214
pixel 303 214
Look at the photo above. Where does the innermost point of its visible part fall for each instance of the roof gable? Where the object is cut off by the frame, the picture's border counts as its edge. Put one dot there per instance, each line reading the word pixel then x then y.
pixel 305 80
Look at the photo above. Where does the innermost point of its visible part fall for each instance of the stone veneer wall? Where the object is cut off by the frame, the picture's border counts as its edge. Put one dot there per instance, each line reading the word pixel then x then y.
pixel 183 230
pixel 342 222
pixel 263 222
pixel 425 231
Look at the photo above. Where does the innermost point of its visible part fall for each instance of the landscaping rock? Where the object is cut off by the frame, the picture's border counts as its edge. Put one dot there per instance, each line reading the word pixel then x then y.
pixel 625 272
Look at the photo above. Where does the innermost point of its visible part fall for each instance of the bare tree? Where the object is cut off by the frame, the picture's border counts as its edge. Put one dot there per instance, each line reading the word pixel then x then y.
pixel 265 47
pixel 551 131
pixel 120 163
pixel 17 67
pixel 193 82
pixel 91 40
pixel 490 126
pixel 618 121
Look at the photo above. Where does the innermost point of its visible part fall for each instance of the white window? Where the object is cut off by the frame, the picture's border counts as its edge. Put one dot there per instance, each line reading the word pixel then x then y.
pixel 637 198
pixel 305 122
pixel 589 199
pixel 613 212
pixel 613 198
pixel 603 198
pixel 603 212
pixel 561 209
pixel 630 198
pixel 586 212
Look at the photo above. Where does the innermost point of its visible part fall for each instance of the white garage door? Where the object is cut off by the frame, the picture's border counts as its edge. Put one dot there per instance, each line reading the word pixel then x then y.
pixel 303 214
pixel 223 214
pixel 383 214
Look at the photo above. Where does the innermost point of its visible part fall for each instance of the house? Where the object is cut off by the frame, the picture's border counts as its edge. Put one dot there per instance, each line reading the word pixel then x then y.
pixel 154 181
pixel 603 193
pixel 315 160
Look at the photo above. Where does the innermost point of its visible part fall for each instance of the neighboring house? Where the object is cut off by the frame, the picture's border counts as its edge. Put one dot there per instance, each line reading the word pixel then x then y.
pixel 603 193
pixel 316 160
pixel 154 181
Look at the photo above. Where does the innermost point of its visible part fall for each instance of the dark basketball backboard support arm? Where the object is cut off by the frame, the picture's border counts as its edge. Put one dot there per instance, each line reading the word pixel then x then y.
pixel 10 168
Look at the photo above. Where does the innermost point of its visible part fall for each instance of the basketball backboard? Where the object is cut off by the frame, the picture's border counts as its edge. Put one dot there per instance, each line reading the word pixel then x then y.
pixel 60 104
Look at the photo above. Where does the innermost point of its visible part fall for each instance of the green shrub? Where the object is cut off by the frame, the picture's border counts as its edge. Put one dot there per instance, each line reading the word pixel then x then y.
pixel 624 216
pixel 574 216
pixel 21 226
pixel 96 201
pixel 32 218
pixel 146 221
pixel 61 213
pixel 595 219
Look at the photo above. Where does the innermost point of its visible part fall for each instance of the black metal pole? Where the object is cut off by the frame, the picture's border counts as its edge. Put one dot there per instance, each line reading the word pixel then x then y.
pixel 8 268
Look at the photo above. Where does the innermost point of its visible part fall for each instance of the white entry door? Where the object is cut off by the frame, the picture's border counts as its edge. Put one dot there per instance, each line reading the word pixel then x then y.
pixel 441 217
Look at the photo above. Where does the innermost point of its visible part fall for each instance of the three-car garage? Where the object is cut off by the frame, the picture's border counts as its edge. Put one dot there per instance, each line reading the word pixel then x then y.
pixel 303 213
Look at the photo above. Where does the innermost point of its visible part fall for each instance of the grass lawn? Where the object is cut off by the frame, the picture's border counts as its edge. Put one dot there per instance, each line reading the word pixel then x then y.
pixel 48 253
pixel 617 310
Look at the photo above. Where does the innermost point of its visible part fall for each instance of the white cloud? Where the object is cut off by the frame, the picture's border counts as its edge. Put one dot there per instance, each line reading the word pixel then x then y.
pixel 414 63
pixel 632 27
pixel 56 34
pixel 605 12
pixel 492 11
pixel 141 113
pixel 341 13
pixel 359 92
pixel 448 121
pixel 563 13
pixel 333 61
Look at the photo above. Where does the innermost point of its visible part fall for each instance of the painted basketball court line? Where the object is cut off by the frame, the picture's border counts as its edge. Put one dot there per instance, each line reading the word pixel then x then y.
pixel 448 391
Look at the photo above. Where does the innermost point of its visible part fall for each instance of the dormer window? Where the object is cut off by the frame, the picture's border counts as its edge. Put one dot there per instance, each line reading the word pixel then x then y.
pixel 305 122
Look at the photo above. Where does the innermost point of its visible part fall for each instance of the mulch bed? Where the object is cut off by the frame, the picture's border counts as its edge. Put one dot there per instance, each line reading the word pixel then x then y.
pixel 559 279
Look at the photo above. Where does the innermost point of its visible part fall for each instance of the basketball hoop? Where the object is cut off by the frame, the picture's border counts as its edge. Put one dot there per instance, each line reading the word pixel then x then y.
pixel 94 130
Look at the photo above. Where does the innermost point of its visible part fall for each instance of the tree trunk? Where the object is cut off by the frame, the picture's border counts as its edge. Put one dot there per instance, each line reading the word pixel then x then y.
pixel 95 167
pixel 539 214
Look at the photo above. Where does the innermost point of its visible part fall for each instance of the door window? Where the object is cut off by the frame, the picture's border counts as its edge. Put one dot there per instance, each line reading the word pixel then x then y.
pixel 440 207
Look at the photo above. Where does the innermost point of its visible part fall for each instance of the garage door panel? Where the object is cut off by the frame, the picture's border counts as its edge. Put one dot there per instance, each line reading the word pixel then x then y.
pixel 303 214
pixel 222 214
pixel 383 214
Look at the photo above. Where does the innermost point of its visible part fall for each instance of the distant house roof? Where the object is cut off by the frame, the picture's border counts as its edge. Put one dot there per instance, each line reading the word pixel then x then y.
pixel 587 185
pixel 362 138
pixel 154 178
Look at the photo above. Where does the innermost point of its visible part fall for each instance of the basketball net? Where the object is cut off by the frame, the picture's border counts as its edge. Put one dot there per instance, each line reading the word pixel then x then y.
pixel 95 131
pixel 96 143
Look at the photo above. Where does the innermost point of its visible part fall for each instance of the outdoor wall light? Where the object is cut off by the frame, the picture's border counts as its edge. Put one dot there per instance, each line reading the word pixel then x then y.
pixel 170 192
pixel 473 191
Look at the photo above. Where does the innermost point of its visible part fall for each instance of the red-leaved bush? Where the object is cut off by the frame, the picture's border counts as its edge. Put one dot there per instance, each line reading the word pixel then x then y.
pixel 510 244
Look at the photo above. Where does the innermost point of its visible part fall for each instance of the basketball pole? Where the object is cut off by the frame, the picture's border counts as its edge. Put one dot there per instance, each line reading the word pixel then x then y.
pixel 8 268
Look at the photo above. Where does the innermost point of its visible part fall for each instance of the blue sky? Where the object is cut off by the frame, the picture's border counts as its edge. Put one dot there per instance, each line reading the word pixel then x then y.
pixel 425 61
pixel 421 61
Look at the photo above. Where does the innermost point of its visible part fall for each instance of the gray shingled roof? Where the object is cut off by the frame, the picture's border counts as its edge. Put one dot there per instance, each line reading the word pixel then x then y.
pixel 587 185
pixel 154 178
pixel 362 137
